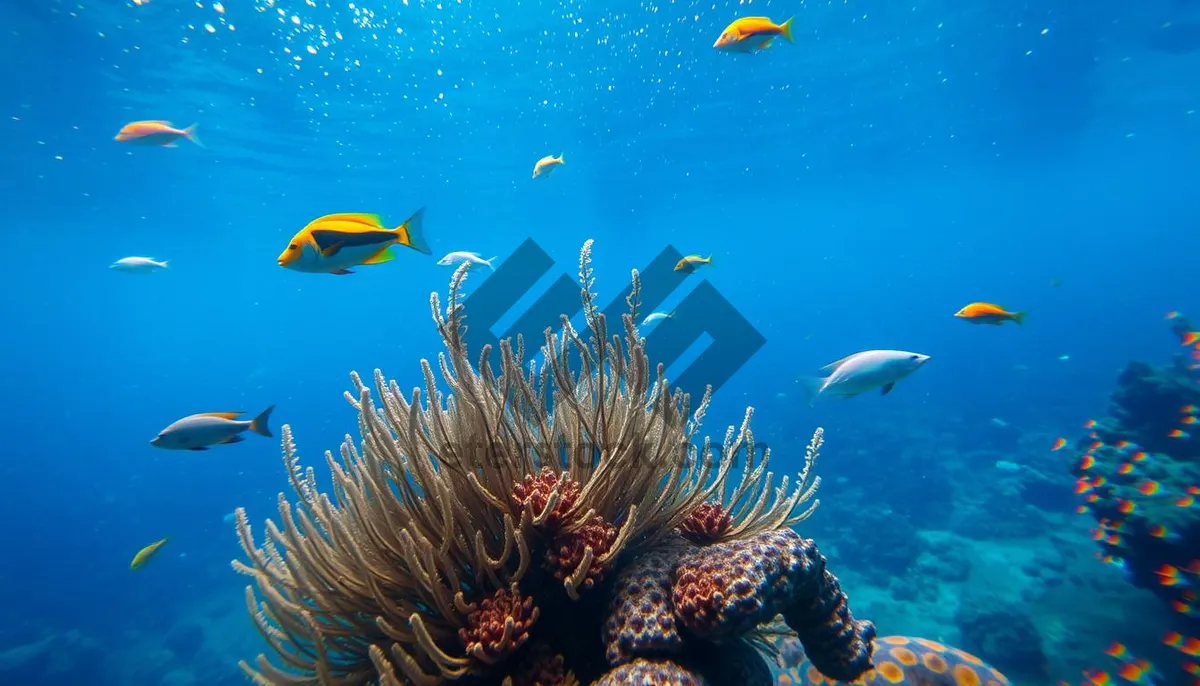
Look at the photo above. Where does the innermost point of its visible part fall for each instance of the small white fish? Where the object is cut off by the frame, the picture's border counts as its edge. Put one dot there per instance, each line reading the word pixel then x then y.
pixel 138 265
pixel 862 372
pixel 656 317
pixel 199 431
pixel 999 422
pixel 1063 358
pixel 458 256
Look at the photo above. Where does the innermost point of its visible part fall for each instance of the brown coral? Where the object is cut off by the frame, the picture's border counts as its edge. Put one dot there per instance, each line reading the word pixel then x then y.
pixel 640 618
pixel 548 497
pixel 577 556
pixel 447 499
pixel 498 626
pixel 539 665
pixel 706 524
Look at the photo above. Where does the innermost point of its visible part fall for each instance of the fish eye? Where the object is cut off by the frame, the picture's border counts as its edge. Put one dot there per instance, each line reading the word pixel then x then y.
pixel 293 246
pixel 914 357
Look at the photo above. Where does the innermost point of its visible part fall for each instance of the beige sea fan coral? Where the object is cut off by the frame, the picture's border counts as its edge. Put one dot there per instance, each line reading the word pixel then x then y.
pixel 473 509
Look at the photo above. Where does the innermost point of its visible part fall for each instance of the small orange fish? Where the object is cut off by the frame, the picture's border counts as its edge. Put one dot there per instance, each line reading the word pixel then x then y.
pixel 751 34
pixel 547 164
pixel 987 313
pixel 1190 338
pixel 1059 444
pixel 160 133
pixel 1177 433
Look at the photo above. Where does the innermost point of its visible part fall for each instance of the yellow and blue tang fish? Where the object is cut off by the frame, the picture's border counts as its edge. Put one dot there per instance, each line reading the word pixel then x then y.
pixel 336 242
pixel 905 661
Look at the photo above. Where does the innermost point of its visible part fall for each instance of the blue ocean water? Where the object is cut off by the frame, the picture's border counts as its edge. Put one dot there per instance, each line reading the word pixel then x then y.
pixel 855 189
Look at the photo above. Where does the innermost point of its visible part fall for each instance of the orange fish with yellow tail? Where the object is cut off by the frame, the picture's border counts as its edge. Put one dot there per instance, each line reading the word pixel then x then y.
pixel 751 34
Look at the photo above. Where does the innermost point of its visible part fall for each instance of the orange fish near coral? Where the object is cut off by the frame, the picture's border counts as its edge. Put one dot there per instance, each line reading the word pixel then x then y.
pixel 751 34
pixel 987 313
pixel 160 133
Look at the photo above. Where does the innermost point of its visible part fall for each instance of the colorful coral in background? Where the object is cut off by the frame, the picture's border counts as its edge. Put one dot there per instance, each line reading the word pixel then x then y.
pixel 542 526
pixel 1138 472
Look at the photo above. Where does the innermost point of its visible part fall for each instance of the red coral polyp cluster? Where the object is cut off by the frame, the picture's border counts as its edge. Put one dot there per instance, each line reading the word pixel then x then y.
pixel 498 626
pixel 706 524
pixel 534 493
pixel 567 551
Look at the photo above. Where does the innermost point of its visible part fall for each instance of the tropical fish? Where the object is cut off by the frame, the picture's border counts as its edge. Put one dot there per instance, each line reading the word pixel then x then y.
pixel 456 257
pixel 689 264
pixel 863 372
pixel 751 34
pixel 144 554
pixel 656 317
pixel 138 265
pixel 336 242
pixel 198 431
pixel 160 133
pixel 547 164
pixel 987 313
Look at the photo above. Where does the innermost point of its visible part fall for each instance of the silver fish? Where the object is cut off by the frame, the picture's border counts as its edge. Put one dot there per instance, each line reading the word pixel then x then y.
pixel 138 265
pixel 454 258
pixel 862 372
pixel 656 317
pixel 198 431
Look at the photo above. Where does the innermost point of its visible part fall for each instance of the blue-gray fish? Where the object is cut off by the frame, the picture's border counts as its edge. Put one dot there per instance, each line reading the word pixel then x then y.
pixel 198 431
pixel 863 372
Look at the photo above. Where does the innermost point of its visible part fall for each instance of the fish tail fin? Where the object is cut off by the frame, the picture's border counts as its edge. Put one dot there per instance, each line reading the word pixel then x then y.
pixel 190 133
pixel 164 263
pixel 412 233
pixel 1019 318
pixel 489 262
pixel 561 159
pixel 259 424
pixel 708 260
pixel 812 387
pixel 785 30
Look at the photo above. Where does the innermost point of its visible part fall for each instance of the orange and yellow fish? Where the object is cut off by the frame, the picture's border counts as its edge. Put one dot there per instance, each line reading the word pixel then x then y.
pixel 689 264
pixel 160 133
pixel 751 34
pixel 336 242
pixel 547 165
pixel 987 313
pixel 144 554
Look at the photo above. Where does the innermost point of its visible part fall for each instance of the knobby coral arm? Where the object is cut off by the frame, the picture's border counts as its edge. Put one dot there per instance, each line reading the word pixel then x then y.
pixel 525 523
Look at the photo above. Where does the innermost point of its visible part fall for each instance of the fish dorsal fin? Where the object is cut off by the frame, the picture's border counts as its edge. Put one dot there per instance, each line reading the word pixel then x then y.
pixel 222 415
pixel 385 255
pixel 767 19
pixel 367 220
pixel 158 121
pixel 837 363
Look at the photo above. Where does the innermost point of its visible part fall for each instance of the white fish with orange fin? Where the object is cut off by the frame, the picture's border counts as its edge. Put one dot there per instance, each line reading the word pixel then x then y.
pixel 547 165
pixel 199 431
pixel 863 372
